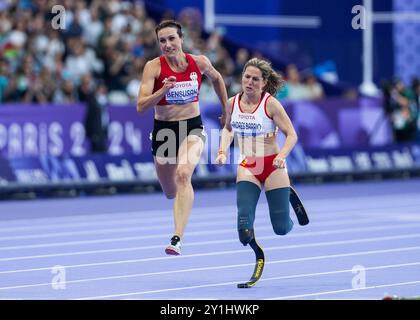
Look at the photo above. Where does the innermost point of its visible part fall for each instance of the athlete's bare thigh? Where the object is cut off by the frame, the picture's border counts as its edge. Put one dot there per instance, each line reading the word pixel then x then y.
pixel 165 171
pixel 277 179
pixel 189 154
pixel 188 157
pixel 243 174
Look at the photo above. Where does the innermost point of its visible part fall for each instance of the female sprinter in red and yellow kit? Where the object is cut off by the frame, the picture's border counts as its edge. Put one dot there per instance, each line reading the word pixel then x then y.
pixel 256 115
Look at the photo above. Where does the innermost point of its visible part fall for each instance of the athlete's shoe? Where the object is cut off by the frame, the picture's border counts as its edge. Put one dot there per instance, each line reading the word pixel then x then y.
pixel 175 246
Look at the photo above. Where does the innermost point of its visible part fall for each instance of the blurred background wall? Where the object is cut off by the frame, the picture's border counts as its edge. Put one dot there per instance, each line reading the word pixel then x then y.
pixel 68 94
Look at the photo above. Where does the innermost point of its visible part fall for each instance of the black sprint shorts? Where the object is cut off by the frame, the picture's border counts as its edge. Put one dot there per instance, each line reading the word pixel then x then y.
pixel 167 136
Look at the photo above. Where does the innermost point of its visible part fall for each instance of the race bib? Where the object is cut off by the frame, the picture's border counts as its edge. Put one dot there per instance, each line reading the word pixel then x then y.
pixel 247 125
pixel 183 92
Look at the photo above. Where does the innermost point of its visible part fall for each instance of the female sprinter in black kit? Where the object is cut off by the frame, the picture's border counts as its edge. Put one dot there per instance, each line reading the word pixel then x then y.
pixel 171 84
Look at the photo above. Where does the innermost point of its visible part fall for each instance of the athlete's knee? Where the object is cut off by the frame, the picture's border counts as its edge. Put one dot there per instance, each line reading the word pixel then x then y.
pixel 183 176
pixel 281 222
pixel 168 188
pixel 169 192
pixel 283 229
pixel 170 195
pixel 246 236
pixel 278 203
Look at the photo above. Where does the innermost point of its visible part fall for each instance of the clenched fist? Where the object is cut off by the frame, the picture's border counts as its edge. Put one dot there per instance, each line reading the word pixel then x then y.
pixel 221 158
pixel 169 83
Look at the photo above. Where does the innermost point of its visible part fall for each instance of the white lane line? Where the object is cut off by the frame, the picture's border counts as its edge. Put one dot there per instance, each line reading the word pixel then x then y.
pixel 137 275
pixel 166 225
pixel 164 237
pixel 156 226
pixel 146 217
pixel 352 204
pixel 116 216
pixel 217 253
pixel 347 290
pixel 238 281
pixel 109 230
pixel 214 242
pixel 198 215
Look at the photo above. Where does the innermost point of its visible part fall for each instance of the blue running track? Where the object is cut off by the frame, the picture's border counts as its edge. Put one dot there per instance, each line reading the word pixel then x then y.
pixel 363 241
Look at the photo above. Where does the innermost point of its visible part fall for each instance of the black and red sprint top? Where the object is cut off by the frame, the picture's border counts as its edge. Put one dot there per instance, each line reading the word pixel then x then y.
pixel 187 86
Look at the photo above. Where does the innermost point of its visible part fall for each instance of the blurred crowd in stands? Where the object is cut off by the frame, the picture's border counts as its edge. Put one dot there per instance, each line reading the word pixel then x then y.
pixel 102 50
pixel 402 108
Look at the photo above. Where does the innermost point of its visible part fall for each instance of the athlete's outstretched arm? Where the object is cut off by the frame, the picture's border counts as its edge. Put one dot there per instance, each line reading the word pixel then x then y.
pixel 147 98
pixel 283 122
pixel 225 139
pixel 217 81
